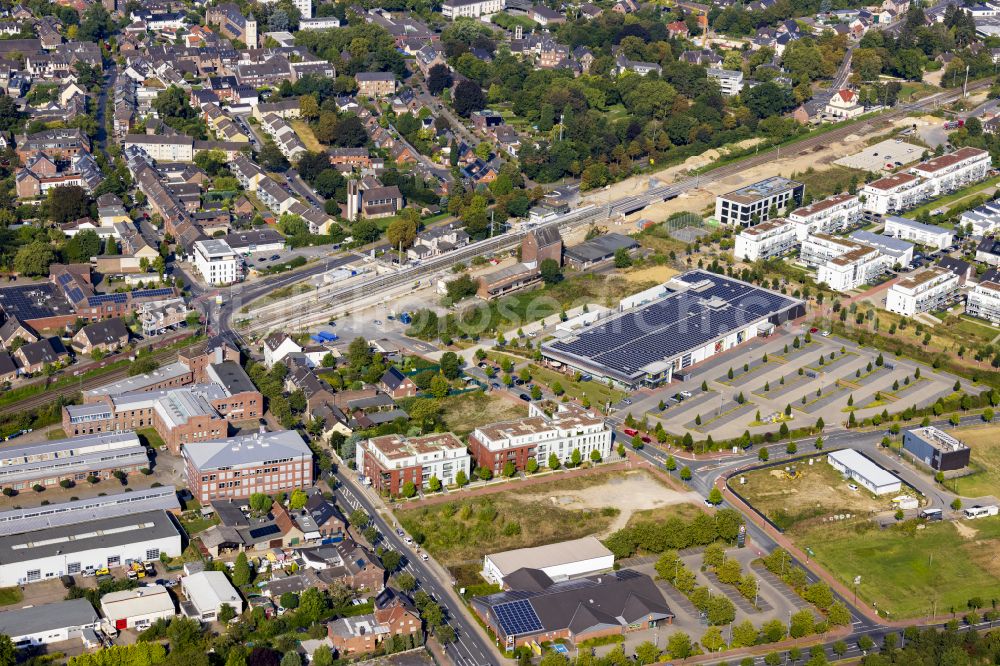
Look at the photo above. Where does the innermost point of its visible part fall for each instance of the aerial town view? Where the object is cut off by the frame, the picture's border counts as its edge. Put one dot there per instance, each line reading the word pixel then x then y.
pixel 499 332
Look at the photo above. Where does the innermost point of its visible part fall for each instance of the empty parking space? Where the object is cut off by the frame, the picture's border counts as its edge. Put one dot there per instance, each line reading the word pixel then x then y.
pixel 883 156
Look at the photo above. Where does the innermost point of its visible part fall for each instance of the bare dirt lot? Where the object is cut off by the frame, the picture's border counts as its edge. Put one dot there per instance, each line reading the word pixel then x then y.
pixel 817 493
pixel 629 493
pixel 651 274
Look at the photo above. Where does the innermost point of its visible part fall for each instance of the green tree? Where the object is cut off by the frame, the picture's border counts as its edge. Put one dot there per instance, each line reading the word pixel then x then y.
pixel 226 614
pixel 685 473
pixel 409 489
pixel 550 271
pixel 297 500
pixel 802 624
pixel 715 496
pixel 241 571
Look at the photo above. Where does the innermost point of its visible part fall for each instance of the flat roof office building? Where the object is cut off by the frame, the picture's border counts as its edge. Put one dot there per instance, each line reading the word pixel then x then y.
pixel 751 205
pixel 938 450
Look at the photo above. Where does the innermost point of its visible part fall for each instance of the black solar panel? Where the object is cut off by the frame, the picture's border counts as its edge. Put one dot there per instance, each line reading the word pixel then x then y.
pixel 675 324
pixel 101 299
pixel 75 295
pixel 152 293
pixel 517 618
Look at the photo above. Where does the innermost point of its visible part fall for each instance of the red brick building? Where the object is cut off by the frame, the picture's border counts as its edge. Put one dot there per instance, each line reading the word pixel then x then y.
pixel 390 461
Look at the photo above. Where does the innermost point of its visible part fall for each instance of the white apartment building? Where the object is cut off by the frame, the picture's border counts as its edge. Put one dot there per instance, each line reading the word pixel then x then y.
pixel 751 205
pixel 841 263
pixel 950 172
pixel 925 291
pixel 730 81
pixel 984 302
pixel 539 436
pixel 827 216
pixel 917 232
pixel 304 7
pixel 984 220
pixel 773 238
pixel 453 9
pixel 894 193
pixel 389 461
pixel 217 262
pixel 322 23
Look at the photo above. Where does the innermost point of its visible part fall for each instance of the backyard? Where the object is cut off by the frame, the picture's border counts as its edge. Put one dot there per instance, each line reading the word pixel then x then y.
pixel 461 532
pixel 805 495
pixel 910 570
pixel 598 393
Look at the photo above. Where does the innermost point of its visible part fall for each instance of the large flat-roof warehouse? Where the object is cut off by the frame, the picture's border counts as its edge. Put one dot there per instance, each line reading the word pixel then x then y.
pixel 701 314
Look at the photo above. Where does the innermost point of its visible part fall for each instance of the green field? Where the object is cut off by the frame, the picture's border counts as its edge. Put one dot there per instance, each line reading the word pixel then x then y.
pixel 985 479
pixel 464 413
pixel 10 595
pixel 910 572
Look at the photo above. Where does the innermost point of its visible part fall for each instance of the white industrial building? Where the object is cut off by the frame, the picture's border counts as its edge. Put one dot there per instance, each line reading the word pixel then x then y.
pixel 559 561
pixel 138 608
pixel 85 535
pixel 753 204
pixel 928 290
pixel 206 593
pixel 984 302
pixel 860 469
pixel 217 262
pixel 917 232
pixel 894 193
pixel 773 238
pixel 827 216
pixel 953 171
pixel 48 623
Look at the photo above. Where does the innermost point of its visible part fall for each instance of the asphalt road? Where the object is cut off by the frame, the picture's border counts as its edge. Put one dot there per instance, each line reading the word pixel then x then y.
pixel 469 648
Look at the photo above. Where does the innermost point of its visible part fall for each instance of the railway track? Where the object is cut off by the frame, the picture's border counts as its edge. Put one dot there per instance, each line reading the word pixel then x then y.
pixel 50 395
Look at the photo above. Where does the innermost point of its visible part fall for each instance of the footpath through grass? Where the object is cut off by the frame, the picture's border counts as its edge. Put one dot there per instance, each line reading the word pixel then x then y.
pixel 909 572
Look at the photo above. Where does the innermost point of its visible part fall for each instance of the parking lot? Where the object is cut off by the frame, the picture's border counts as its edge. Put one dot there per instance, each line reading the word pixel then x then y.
pixel 883 156
pixel 814 380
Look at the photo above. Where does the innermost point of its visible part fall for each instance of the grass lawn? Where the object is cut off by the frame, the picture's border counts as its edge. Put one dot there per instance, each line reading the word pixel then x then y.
pixel 985 444
pixel 956 197
pixel 150 437
pixel 56 433
pixel 905 571
pixel 596 392
pixel 464 413
pixel 198 523
pixel 10 595
pixel 821 184
pixel 305 133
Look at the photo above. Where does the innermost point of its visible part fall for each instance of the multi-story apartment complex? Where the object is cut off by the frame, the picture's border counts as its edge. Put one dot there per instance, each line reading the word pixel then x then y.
pixel 917 232
pixel 894 193
pixel 388 462
pixel 931 178
pixel 773 238
pixel 753 204
pixel 984 302
pixel 730 81
pixel 267 462
pixel 842 263
pixel 376 84
pixel 982 220
pixel 950 172
pixel 453 9
pixel 163 147
pixel 539 436
pixel 928 290
pixel 830 215
pixel 217 262
pixel 304 7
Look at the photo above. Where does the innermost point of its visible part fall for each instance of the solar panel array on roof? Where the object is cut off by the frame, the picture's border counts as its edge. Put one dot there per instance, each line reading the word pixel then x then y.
pixel 152 293
pixel 517 618
pixel 713 307
pixel 101 299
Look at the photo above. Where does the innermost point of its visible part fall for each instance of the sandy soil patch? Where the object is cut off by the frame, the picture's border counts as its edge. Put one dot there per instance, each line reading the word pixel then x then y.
pixel 967 531
pixel 631 492
pixel 653 273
